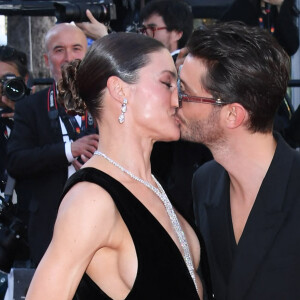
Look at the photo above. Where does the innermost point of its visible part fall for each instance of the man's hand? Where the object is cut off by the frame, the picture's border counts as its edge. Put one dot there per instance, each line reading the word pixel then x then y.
pixel 86 146
pixel 274 2
pixel 78 164
pixel 93 29
pixel 9 103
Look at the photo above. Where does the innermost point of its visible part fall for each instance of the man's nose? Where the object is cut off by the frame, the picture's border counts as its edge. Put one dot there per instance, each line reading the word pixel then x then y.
pixel 69 56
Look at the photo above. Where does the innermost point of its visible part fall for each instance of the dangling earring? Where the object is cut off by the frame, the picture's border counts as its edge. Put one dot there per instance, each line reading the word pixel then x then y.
pixel 123 111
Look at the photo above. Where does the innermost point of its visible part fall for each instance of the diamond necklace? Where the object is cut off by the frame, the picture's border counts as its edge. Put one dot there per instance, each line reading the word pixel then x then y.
pixel 169 208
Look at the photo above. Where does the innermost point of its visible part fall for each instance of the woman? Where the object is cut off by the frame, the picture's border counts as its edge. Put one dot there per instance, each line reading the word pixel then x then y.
pixel 113 235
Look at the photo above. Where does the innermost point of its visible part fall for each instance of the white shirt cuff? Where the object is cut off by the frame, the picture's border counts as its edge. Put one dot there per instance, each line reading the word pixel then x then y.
pixel 68 152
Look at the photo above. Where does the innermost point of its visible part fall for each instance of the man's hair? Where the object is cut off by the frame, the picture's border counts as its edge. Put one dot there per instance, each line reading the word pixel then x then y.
pixel 16 57
pixel 176 14
pixel 244 65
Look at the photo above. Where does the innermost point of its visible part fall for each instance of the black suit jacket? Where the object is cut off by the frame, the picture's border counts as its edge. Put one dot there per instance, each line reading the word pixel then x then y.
pixel 36 158
pixel 266 264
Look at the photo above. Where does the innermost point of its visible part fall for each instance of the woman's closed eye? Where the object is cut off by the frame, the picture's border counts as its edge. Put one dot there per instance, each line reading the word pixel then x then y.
pixel 168 84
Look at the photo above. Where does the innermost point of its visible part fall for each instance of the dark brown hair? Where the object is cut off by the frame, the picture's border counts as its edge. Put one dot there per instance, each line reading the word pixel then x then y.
pixel 244 65
pixel 118 54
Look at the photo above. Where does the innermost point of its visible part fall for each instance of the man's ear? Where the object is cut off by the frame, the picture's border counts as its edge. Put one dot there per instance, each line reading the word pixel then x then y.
pixel 116 88
pixel 235 115
pixel 176 35
pixel 46 59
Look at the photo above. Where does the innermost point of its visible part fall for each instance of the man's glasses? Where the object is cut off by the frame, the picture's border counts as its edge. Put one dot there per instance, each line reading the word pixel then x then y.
pixel 182 97
pixel 150 30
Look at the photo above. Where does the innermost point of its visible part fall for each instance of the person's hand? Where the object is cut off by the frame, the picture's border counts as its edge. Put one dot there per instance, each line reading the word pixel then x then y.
pixel 93 29
pixel 274 2
pixel 86 146
pixel 79 163
pixel 9 103
pixel 278 3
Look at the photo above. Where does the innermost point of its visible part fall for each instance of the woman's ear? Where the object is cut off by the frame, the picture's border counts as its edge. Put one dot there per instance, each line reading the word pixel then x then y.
pixel 236 115
pixel 116 88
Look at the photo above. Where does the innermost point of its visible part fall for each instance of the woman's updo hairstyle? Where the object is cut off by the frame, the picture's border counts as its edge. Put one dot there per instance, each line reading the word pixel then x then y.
pixel 117 54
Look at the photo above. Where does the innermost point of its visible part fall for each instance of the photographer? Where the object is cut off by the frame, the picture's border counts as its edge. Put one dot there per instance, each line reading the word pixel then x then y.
pixel 13 78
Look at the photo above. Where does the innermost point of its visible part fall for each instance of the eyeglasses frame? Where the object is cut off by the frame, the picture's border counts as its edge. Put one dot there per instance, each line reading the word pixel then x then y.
pixel 182 97
pixel 143 29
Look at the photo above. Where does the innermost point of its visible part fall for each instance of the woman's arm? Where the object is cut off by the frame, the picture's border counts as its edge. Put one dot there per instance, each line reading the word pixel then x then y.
pixel 84 224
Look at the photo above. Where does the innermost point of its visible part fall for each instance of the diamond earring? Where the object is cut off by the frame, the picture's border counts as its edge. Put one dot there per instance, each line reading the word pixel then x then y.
pixel 123 111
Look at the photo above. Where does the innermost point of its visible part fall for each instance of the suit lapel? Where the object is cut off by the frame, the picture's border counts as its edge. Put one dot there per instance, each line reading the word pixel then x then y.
pixel 217 220
pixel 263 224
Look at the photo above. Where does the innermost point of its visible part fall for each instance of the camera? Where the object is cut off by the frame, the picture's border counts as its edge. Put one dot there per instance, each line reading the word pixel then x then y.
pixel 103 11
pixel 12 230
pixel 13 87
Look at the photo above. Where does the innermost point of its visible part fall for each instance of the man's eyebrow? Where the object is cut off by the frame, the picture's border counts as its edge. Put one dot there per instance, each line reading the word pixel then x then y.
pixel 77 45
pixel 61 46
pixel 150 25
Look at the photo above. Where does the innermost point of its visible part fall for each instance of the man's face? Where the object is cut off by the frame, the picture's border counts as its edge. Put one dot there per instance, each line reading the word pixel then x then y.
pixel 168 38
pixel 65 43
pixel 6 68
pixel 199 122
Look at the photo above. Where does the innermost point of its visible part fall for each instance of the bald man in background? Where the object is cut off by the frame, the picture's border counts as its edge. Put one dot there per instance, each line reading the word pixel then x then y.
pixel 46 143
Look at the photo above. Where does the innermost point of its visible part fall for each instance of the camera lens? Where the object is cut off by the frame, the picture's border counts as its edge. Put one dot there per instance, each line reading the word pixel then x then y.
pixel 68 12
pixel 14 89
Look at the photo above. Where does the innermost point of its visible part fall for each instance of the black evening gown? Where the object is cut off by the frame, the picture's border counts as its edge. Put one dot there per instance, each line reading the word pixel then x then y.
pixel 162 272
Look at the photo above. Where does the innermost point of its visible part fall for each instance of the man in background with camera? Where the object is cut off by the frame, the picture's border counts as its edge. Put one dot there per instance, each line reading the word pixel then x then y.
pixel 13 78
pixel 46 144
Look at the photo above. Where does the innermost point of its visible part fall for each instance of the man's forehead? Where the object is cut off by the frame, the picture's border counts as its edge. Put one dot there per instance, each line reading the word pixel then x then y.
pixel 154 20
pixel 65 36
pixel 194 64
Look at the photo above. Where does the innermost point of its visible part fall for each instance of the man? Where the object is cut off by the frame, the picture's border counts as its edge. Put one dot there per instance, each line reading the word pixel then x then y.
pixel 13 65
pixel 46 141
pixel 168 21
pixel 247 200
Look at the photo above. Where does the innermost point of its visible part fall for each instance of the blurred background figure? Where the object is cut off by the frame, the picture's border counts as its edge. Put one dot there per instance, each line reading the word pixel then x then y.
pixel 47 145
pixel 13 78
pixel 14 75
pixel 278 16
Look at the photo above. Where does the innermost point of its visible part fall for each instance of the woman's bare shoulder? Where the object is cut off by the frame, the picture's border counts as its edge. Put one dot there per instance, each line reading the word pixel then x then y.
pixel 88 211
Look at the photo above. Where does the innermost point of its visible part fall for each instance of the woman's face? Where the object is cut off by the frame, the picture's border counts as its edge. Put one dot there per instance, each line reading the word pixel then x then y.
pixel 155 99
